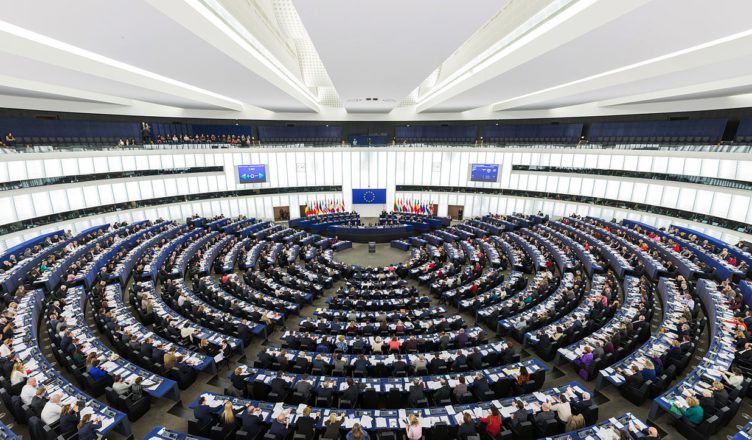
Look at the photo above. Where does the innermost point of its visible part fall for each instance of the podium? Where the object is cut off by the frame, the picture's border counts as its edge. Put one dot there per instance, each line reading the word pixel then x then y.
pixel 371 247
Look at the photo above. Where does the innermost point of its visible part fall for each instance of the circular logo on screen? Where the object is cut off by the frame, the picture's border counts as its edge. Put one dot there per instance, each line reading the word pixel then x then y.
pixel 369 196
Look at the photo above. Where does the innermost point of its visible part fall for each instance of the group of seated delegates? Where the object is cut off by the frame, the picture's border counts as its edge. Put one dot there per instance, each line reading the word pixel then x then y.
pixel 673 248
pixel 82 255
pixel 266 306
pixel 541 286
pixel 721 254
pixel 180 329
pixel 638 244
pixel 144 265
pixel 451 276
pixel 409 303
pixel 128 335
pixel 58 407
pixel 209 290
pixel 166 269
pixel 261 281
pixel 626 251
pixel 382 326
pixel 669 349
pixel 620 334
pixel 548 413
pixel 598 306
pixel 177 296
pixel 13 264
pixel 489 294
pixel 399 218
pixel 463 385
pixel 441 337
pixel 346 316
pixel 300 280
pixel 386 365
pixel 570 289
pixel 702 393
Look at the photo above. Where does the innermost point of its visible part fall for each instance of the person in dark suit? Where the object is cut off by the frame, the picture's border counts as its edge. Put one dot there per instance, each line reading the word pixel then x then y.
pixel 351 393
pixel 579 406
pixel 720 395
pixel 480 386
pixel 475 360
pixel 306 423
pixel 443 392
pixel 38 401
pixel 69 420
pixel 279 385
pixel 708 403
pixel 416 393
pixel 279 427
pixel 520 414
pixel 634 380
pixel 251 421
pixel 87 428
pixel 238 381
pixel 361 364
pixel 244 331
pixel 745 355
pixel 467 428
pixel 203 412
pixel 543 415
pixel 325 390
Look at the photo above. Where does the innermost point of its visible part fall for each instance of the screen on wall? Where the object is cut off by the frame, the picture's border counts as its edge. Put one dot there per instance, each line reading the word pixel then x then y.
pixel 480 172
pixel 251 173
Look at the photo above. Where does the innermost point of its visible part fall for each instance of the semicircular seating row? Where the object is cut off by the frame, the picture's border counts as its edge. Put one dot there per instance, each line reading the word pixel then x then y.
pixel 580 291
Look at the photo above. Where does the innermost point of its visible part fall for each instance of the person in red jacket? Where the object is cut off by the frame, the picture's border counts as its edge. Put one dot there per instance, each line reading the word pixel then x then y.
pixel 492 422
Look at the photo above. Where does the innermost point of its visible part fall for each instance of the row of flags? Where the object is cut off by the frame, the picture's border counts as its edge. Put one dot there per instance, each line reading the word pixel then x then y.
pixel 324 207
pixel 413 206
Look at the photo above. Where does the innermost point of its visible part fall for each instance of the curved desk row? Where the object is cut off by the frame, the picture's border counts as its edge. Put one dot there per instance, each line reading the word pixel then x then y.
pixel 364 234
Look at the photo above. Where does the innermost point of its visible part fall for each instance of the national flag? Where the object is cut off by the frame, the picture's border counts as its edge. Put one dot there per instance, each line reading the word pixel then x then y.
pixel 306 211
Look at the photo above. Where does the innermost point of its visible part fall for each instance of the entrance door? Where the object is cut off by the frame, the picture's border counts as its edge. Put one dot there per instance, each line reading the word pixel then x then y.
pixel 455 211
pixel 281 213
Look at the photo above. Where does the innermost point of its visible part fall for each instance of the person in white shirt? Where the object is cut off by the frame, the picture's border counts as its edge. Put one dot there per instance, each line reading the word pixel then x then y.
pixel 51 410
pixel 29 391
pixel 563 409
pixel 18 374
pixel 186 332
pixel 120 387
pixel 5 350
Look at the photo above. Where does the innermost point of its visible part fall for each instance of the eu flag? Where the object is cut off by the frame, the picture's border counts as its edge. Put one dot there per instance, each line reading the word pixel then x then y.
pixel 368 196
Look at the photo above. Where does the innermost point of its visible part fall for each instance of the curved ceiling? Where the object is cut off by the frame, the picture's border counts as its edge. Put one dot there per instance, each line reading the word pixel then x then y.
pixel 388 60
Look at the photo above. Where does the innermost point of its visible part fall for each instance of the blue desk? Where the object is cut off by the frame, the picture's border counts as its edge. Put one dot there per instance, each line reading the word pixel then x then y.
pixel 745 433
pixel 382 385
pixel 218 224
pixel 125 267
pixel 364 234
pixel 151 270
pixel 26 347
pixel 20 248
pixel 232 228
pixel 371 419
pixel 686 268
pixel 11 279
pixel 659 341
pixel 653 268
pixel 74 315
pixel 162 433
pixel 591 432
pixel 628 311
pixel 717 359
pixel 733 250
pixel 7 434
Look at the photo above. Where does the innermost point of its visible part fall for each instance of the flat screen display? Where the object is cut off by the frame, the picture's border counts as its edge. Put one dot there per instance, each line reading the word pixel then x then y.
pixel 251 173
pixel 484 172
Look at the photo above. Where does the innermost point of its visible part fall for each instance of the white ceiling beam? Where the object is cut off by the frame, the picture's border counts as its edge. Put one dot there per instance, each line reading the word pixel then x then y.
pixel 679 93
pixel 723 49
pixel 22 42
pixel 66 92
pixel 575 21
pixel 235 41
